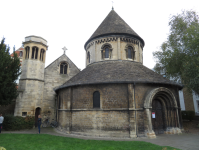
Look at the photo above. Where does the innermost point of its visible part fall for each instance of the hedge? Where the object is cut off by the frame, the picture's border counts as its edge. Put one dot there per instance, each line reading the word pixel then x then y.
pixel 12 123
pixel 188 115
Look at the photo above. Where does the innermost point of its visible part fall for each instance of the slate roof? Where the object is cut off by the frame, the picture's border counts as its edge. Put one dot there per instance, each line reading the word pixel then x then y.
pixel 113 24
pixel 17 51
pixel 116 71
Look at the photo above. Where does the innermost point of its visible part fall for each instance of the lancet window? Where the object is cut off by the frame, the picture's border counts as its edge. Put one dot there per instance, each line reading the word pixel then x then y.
pixel 96 99
pixel 42 54
pixel 27 49
pixel 35 52
pixel 106 51
pixel 63 68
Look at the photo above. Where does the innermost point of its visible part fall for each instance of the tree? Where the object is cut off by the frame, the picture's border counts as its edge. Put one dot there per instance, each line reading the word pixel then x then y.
pixel 179 55
pixel 9 72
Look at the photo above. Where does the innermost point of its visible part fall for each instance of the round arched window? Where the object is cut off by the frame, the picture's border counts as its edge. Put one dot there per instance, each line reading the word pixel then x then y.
pixel 130 53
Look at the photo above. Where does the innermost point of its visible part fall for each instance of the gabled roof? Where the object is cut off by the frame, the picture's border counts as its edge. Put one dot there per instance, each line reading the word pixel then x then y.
pixel 113 24
pixel 64 55
pixel 117 71
pixel 17 52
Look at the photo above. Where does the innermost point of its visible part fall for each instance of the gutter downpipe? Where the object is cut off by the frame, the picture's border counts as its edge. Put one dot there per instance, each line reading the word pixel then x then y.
pixel 135 109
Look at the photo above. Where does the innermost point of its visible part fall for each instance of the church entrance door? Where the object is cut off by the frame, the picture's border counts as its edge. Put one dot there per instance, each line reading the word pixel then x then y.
pixel 37 112
pixel 157 117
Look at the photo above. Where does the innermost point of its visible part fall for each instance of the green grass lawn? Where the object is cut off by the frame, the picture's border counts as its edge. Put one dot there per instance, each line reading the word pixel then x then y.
pixel 50 142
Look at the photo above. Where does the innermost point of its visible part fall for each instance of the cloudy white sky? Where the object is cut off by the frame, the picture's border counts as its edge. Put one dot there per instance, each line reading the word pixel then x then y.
pixel 70 23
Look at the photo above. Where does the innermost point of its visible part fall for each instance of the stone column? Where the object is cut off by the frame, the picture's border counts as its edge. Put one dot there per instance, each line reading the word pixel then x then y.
pixel 30 52
pixel 44 57
pixel 150 133
pixel 38 55
pixel 132 111
pixel 24 53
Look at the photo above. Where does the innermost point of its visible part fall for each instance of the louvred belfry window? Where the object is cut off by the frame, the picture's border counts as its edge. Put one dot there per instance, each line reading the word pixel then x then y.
pixel 27 51
pixel 63 68
pixel 42 54
pixel 34 52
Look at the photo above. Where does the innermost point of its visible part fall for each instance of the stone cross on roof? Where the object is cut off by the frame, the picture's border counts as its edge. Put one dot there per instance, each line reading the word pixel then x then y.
pixel 64 49
pixel 112 5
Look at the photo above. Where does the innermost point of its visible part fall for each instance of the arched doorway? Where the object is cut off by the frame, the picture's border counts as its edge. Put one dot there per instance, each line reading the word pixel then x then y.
pixel 158 122
pixel 37 112
pixel 162 103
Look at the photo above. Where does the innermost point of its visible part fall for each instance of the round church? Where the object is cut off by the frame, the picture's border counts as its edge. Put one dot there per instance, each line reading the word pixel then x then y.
pixel 116 95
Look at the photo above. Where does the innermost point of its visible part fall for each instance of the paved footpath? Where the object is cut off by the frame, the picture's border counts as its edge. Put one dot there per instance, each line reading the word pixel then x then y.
pixel 184 141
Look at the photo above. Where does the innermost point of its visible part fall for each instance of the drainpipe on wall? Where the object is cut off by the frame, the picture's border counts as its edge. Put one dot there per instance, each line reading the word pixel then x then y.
pixel 135 110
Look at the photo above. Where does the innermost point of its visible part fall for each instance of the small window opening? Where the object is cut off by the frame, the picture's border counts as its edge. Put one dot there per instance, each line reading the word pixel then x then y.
pixel 24 114
pixel 27 51
pixel 21 54
pixel 88 57
pixel 42 54
pixel 96 99
pixel 106 52
pixel 130 53
pixel 63 68
pixel 34 52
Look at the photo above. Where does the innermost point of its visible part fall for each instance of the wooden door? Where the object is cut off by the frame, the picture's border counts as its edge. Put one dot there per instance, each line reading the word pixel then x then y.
pixel 158 121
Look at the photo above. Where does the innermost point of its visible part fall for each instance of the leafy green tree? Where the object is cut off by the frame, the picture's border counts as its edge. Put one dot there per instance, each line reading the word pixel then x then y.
pixel 9 72
pixel 178 57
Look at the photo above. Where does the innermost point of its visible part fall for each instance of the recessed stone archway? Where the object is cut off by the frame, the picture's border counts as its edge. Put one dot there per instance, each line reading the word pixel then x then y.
pixel 167 118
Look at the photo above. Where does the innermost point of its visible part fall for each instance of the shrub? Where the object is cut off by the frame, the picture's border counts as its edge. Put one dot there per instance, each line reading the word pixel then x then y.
pixel 188 115
pixel 12 123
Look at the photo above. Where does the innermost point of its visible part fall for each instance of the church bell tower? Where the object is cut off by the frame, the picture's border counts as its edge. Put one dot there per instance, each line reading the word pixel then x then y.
pixel 31 82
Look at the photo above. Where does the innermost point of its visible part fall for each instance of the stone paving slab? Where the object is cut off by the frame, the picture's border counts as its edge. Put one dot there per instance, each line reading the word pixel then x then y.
pixel 184 141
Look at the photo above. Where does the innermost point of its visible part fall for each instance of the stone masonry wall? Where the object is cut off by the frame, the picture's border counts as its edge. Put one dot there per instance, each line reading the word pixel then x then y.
pixel 118 49
pixel 53 78
pixel 112 96
pixel 100 123
pixel 32 69
pixel 121 112
pixel 30 97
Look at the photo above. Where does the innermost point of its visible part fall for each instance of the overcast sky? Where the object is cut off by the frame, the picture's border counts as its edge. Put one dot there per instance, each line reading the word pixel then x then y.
pixel 70 23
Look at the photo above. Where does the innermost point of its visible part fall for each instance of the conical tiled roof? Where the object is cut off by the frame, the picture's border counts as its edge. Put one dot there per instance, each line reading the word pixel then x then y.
pixel 114 24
